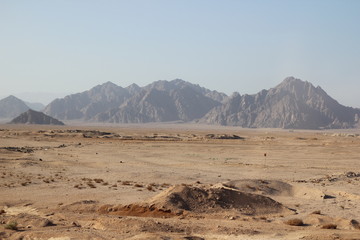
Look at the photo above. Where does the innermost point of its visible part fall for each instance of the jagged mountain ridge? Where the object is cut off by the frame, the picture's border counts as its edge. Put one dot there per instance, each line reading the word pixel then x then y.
pixel 175 100
pixel 34 117
pixel 161 102
pixel 292 104
pixel 11 107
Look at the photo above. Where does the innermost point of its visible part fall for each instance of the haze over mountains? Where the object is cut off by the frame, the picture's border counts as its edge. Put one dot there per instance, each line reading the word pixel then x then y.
pixel 11 107
pixel 294 104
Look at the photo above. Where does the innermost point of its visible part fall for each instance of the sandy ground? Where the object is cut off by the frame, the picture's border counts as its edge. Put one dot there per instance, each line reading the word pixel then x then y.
pixel 178 182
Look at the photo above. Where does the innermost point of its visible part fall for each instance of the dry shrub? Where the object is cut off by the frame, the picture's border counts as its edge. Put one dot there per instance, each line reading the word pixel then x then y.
pixel 90 184
pixel 355 224
pixel 79 186
pixel 98 180
pixel 138 185
pixel 295 222
pixel 12 226
pixel 126 183
pixel 329 226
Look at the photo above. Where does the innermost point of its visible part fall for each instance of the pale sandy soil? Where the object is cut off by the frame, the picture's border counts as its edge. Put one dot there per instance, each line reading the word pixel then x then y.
pixel 76 183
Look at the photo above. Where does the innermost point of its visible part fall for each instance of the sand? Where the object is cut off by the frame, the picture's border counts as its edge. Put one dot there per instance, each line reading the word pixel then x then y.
pixel 178 182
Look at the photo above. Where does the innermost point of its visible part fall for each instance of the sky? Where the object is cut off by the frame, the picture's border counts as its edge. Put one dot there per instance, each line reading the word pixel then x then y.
pixel 52 48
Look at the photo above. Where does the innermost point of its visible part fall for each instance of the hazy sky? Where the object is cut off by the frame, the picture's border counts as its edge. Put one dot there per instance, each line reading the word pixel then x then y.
pixel 69 46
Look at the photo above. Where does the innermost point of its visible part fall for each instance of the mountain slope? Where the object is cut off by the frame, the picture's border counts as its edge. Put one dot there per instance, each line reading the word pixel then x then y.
pixel 11 107
pixel 34 117
pixel 292 104
pixel 162 101
pixel 86 105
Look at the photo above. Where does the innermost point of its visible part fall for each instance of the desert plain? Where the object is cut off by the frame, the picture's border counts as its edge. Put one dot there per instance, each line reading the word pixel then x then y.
pixel 168 181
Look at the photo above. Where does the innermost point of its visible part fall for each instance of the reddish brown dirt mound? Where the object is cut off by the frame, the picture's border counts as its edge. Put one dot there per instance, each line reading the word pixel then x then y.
pixel 182 199
pixel 136 210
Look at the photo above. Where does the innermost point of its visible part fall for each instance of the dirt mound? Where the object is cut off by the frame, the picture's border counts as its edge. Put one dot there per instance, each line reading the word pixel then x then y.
pixel 137 210
pixel 182 200
pixel 263 187
pixel 223 136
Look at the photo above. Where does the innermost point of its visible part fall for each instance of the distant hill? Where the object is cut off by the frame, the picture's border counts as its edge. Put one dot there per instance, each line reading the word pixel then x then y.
pixel 11 107
pixel 292 104
pixel 34 117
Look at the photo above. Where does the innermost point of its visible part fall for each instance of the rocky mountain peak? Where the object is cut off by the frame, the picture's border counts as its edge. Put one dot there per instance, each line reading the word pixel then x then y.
pixel 34 117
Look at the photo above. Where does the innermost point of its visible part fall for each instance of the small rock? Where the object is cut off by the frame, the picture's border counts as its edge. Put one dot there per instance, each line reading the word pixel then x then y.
pixel 75 224
pixel 47 223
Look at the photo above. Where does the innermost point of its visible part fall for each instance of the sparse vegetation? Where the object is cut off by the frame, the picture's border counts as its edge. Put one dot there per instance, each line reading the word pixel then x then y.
pixel 98 180
pixel 13 225
pixel 90 184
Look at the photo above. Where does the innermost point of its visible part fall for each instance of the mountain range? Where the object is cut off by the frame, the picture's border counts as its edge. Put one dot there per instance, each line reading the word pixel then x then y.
pixel 293 104
pixel 161 101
